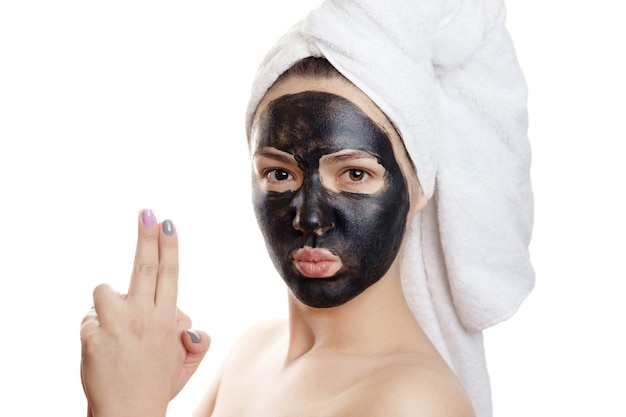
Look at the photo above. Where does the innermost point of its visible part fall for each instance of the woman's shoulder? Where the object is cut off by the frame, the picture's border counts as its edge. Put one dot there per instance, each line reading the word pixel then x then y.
pixel 412 387
pixel 240 360
pixel 254 341
pixel 261 334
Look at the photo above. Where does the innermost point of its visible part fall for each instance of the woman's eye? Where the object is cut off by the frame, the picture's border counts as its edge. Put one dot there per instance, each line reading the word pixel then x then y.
pixel 354 175
pixel 350 171
pixel 278 175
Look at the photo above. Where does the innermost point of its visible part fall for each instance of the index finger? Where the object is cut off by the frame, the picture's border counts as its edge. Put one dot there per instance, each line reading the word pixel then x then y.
pixel 145 269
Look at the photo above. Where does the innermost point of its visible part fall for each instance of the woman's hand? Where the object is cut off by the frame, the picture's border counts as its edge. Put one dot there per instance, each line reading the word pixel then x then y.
pixel 137 351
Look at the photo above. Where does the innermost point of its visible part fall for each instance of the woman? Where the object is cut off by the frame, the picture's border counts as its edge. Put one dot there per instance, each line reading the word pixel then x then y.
pixel 347 222
pixel 333 202
pixel 334 192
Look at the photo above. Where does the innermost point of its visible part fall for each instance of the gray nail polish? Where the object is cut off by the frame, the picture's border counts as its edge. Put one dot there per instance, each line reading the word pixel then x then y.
pixel 195 337
pixel 168 227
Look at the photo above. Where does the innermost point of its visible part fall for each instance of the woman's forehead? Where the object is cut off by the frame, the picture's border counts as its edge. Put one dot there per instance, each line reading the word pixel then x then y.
pixel 337 86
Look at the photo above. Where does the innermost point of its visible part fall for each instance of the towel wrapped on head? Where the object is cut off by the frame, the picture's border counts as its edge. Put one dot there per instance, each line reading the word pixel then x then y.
pixel 446 74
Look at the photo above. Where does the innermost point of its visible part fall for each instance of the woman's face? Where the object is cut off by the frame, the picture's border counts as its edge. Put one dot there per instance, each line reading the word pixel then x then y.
pixel 329 192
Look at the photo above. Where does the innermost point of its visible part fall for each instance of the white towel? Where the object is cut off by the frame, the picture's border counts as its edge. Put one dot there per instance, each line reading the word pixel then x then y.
pixel 445 72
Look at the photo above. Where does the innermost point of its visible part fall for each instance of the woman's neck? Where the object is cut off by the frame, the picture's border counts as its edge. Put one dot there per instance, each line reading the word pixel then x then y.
pixel 377 321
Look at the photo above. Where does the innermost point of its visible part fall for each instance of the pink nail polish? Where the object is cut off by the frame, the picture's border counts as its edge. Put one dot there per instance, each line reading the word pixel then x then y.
pixel 147 217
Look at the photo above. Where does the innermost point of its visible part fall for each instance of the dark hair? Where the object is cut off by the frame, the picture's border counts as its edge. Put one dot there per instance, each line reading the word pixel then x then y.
pixel 312 67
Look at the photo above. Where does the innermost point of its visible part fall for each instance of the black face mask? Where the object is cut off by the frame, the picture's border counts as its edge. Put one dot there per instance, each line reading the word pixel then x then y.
pixel 364 230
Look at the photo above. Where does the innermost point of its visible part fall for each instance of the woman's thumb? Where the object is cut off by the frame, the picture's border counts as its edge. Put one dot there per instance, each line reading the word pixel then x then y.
pixel 196 343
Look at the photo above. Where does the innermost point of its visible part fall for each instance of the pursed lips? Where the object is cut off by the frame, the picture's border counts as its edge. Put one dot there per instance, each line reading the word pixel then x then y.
pixel 316 262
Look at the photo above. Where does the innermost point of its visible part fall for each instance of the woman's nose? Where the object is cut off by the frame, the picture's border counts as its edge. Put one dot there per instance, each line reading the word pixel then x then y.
pixel 313 212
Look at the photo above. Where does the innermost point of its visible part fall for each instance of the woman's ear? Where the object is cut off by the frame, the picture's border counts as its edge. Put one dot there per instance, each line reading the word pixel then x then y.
pixel 418 199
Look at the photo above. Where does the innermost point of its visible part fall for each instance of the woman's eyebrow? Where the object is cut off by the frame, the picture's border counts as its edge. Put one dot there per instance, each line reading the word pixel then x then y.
pixel 350 154
pixel 275 155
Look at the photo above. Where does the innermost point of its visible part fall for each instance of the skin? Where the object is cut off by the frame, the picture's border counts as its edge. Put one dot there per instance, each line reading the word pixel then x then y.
pixel 366 357
pixel 329 196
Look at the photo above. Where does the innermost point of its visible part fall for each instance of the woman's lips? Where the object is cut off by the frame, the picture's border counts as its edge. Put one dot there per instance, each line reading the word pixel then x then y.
pixel 316 263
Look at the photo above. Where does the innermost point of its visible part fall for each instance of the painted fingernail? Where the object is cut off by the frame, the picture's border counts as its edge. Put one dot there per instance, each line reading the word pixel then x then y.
pixel 147 217
pixel 195 337
pixel 168 227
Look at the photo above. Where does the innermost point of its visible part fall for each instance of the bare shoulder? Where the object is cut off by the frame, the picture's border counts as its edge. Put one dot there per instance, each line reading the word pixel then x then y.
pixel 253 343
pixel 254 340
pixel 409 388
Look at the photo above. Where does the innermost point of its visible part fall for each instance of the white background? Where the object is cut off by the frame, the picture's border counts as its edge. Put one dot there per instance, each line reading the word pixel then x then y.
pixel 110 107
